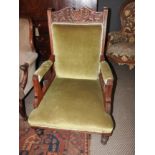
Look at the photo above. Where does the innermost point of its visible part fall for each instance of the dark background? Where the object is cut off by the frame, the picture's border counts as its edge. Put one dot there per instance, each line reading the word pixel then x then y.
pixel 114 7
pixel 37 11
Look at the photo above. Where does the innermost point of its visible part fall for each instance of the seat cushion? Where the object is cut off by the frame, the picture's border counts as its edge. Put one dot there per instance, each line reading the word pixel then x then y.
pixel 77 50
pixel 122 49
pixel 73 105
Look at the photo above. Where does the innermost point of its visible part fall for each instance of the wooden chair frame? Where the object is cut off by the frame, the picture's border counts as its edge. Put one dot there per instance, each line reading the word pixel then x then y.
pixel 83 15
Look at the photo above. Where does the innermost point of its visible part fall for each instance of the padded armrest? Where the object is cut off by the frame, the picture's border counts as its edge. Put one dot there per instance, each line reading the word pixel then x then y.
pixel 42 70
pixel 115 37
pixel 106 71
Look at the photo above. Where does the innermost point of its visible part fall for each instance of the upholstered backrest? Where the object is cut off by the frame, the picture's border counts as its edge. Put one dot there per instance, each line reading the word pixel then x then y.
pixel 24 35
pixel 77 39
pixel 127 15
pixel 77 50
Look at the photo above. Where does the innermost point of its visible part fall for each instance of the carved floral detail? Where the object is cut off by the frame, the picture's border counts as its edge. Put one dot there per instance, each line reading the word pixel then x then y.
pixel 75 16
pixel 128 18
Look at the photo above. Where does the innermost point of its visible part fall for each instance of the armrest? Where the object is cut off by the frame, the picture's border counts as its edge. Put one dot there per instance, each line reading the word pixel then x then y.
pixel 42 70
pixel 115 37
pixel 42 79
pixel 106 80
pixel 106 72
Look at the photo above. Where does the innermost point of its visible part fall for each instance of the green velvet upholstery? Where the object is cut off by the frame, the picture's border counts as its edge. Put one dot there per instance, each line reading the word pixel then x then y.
pixel 73 105
pixel 75 100
pixel 106 71
pixel 41 71
pixel 77 50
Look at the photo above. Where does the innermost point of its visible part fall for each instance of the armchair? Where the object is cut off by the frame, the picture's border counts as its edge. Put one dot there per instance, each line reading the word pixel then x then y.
pixel 73 88
pixel 121 44
pixel 27 61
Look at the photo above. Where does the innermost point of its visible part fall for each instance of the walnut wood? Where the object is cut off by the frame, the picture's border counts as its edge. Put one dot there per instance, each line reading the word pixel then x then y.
pixel 48 78
pixel 49 13
pixel 107 89
pixel 40 88
pixel 38 94
pixel 105 17
pixel 82 15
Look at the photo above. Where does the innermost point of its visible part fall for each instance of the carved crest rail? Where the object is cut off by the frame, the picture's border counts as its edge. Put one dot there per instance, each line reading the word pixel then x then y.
pixel 74 16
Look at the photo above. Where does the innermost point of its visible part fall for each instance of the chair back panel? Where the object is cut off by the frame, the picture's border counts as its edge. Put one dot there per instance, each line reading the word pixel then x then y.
pixel 77 39
pixel 77 50
pixel 127 16
pixel 24 35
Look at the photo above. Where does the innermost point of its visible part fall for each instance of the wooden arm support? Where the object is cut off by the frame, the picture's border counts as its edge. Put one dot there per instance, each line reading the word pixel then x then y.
pixel 106 80
pixel 107 93
pixel 41 85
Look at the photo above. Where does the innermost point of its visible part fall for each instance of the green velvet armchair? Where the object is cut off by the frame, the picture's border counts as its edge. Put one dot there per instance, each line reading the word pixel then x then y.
pixel 121 44
pixel 73 88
